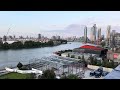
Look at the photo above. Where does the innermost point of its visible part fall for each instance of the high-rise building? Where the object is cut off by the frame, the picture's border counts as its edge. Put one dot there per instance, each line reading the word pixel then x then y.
pixel 39 36
pixel 112 38
pixel 99 33
pixel 108 35
pixel 85 34
pixel 93 33
pixel 108 32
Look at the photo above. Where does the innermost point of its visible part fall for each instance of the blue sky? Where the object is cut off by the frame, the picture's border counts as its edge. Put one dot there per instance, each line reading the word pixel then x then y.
pixel 51 22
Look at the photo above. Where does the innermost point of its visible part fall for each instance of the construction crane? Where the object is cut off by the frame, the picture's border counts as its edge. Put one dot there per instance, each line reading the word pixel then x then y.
pixel 5 37
pixel 8 31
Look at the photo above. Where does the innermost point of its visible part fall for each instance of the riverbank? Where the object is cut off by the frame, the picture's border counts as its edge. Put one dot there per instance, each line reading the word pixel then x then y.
pixel 31 44
pixel 13 57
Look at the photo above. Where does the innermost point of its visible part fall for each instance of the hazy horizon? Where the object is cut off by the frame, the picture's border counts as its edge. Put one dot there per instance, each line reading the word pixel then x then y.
pixel 63 23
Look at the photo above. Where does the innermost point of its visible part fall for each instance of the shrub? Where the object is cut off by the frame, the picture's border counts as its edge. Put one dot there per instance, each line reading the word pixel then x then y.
pixel 79 57
pixel 98 63
pixel 19 65
pixel 83 57
pixel 72 56
pixel 68 55
pixel 48 74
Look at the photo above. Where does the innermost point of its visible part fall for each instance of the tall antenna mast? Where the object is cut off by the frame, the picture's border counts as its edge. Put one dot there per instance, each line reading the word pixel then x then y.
pixel 8 31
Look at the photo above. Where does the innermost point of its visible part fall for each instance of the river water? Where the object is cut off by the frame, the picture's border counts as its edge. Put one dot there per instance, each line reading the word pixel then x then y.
pixel 12 57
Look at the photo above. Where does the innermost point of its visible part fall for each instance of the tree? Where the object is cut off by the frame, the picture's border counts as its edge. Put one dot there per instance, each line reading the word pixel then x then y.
pixel 103 44
pixel 90 59
pixel 50 43
pixel 16 45
pixel 72 56
pixel 85 63
pixel 83 59
pixel 79 57
pixel 68 55
pixel 48 74
pixel 71 76
pixel 19 65
pixel 5 46
pixel 98 63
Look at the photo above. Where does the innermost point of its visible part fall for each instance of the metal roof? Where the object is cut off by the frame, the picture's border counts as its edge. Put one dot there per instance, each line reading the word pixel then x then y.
pixel 92 47
pixel 115 74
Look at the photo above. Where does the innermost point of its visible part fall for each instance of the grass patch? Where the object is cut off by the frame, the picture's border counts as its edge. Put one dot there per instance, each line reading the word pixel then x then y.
pixel 16 76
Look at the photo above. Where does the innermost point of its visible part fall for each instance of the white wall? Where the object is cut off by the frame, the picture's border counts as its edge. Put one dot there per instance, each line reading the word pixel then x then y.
pixel 96 67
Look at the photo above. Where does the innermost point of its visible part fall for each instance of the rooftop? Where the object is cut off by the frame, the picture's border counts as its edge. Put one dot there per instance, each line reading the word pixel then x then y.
pixel 91 47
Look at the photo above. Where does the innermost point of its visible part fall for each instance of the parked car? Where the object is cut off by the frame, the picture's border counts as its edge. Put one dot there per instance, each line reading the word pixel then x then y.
pixel 92 73
pixel 100 69
pixel 104 73
pixel 97 74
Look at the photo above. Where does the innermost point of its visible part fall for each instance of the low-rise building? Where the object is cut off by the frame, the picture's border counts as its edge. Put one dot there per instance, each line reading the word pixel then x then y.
pixel 92 49
pixel 115 56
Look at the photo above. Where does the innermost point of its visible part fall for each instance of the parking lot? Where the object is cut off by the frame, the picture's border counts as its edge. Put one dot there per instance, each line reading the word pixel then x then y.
pixel 87 75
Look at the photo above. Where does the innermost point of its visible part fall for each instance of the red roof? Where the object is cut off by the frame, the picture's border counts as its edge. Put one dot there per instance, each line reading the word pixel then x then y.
pixel 91 47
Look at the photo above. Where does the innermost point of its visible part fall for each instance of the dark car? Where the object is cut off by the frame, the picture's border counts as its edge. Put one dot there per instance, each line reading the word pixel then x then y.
pixel 100 69
pixel 104 73
pixel 97 74
pixel 92 73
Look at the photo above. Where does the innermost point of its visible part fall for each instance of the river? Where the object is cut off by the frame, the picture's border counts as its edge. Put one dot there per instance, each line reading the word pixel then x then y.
pixel 12 57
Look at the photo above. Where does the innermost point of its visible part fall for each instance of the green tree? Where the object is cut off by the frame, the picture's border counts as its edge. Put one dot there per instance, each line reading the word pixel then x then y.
pixel 5 46
pixel 72 56
pixel 50 43
pixel 48 74
pixel 79 57
pixel 83 59
pixel 103 44
pixel 16 45
pixel 68 55
pixel 99 63
pixel 90 60
pixel 94 61
pixel 19 65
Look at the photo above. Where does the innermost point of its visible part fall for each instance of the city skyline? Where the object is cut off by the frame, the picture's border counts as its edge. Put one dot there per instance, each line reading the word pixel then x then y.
pixel 63 23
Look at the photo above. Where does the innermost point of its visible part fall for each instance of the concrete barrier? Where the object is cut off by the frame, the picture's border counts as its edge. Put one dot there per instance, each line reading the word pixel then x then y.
pixel 24 71
pixel 96 67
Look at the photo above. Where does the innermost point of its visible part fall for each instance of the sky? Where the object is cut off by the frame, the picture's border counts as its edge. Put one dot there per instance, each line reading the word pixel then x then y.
pixel 63 23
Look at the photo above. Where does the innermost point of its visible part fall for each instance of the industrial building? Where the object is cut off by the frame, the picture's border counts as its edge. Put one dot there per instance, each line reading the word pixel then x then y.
pixel 92 49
